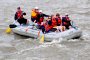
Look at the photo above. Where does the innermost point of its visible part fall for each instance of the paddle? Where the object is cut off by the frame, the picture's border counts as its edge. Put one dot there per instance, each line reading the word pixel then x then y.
pixel 8 30
pixel 42 39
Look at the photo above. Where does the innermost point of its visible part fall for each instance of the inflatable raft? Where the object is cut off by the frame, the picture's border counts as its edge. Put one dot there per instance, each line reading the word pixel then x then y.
pixel 33 32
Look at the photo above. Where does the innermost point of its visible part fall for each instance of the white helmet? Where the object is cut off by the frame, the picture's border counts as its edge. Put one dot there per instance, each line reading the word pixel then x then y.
pixel 40 11
pixel 66 14
pixel 36 8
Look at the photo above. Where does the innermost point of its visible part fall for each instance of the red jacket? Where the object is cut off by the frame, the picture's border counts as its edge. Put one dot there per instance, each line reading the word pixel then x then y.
pixel 19 14
pixel 41 20
pixel 54 22
pixel 48 27
pixel 59 21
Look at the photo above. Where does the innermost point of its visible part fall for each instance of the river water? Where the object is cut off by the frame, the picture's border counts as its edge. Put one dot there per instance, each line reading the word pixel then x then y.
pixel 15 47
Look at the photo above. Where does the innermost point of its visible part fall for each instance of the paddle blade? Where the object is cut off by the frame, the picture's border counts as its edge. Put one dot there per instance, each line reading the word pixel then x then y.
pixel 8 30
pixel 42 39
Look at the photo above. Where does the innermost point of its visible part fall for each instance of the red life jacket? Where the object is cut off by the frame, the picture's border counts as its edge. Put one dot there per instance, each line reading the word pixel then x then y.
pixel 19 14
pixel 48 27
pixel 67 18
pixel 59 21
pixel 41 20
pixel 54 22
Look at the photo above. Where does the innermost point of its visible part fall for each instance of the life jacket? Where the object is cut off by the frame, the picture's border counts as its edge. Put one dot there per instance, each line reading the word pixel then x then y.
pixel 66 21
pixel 59 21
pixel 54 22
pixel 19 14
pixel 48 27
pixel 41 19
pixel 33 14
pixel 67 18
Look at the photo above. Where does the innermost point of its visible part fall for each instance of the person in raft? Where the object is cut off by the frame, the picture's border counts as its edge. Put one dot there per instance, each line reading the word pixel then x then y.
pixel 19 16
pixel 34 14
pixel 59 23
pixel 66 21
pixel 40 18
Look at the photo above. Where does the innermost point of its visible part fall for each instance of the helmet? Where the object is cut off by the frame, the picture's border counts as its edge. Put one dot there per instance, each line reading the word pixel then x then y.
pixel 66 14
pixel 40 10
pixel 18 8
pixel 57 14
pixel 36 8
